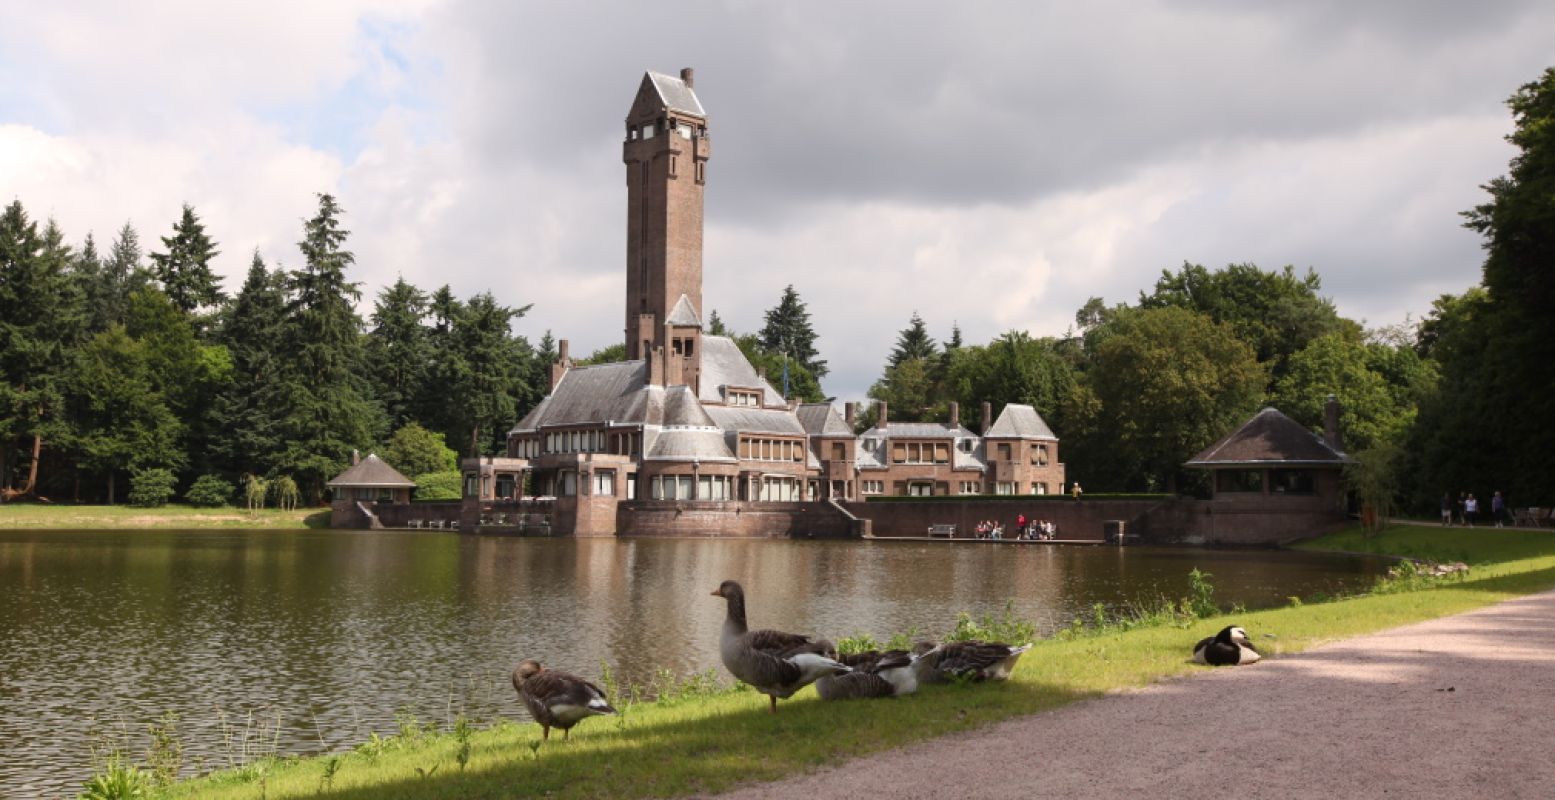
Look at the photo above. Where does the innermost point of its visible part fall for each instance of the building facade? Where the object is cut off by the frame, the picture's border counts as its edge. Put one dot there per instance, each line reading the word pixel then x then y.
pixel 686 420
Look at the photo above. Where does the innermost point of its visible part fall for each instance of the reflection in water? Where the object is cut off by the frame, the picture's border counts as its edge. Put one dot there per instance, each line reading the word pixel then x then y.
pixel 333 633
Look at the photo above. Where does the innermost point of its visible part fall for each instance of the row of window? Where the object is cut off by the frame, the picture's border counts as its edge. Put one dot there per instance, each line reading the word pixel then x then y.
pixel 683 487
pixel 771 449
pixel 920 452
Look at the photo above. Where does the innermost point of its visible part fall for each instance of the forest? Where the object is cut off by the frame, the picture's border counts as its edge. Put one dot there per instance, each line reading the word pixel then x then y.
pixel 133 374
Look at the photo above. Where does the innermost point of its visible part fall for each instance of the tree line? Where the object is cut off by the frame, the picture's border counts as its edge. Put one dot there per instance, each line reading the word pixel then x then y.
pixel 126 363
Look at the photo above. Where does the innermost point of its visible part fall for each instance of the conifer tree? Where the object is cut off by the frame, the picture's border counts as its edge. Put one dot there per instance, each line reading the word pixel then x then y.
pixel 716 326
pixel 327 410
pixel 397 350
pixel 788 330
pixel 185 269
pixel 491 371
pixel 122 422
pixel 122 274
pixel 247 413
pixel 913 342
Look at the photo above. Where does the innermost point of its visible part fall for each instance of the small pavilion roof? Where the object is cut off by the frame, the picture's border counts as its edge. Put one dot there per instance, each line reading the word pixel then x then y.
pixel 1270 439
pixel 371 472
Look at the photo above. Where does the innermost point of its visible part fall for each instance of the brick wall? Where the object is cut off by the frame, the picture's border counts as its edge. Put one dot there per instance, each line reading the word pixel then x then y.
pixel 734 519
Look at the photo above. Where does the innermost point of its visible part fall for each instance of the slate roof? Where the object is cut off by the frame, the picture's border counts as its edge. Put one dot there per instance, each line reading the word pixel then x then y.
pixel 1269 438
pixel 877 458
pixel 677 96
pixel 756 420
pixel 920 430
pixel 371 472
pixel 822 419
pixel 724 365
pixel 684 314
pixel 1018 421
pixel 598 393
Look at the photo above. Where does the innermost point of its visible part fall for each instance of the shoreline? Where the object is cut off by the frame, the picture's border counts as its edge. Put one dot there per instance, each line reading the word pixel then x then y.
pixel 18 517
pixel 645 747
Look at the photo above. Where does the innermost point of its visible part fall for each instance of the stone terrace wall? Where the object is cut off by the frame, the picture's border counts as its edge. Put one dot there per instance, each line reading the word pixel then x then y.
pixel 733 519
pixel 1263 521
pixel 1083 519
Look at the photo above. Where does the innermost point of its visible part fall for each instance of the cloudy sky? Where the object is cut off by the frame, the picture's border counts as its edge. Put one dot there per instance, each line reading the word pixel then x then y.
pixel 990 165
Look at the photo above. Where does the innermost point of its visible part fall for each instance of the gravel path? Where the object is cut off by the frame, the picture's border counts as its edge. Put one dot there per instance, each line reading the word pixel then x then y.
pixel 1462 706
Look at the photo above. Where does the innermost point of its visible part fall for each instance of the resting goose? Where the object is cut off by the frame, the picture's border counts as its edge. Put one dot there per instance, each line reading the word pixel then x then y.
pixel 557 699
pixel 776 664
pixel 875 674
pixel 974 660
pixel 1227 648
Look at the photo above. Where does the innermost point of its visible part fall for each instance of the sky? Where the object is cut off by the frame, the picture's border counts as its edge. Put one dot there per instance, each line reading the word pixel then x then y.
pixel 988 165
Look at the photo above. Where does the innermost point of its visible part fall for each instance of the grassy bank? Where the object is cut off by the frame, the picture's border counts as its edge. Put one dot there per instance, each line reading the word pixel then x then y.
pixel 14 516
pixel 703 744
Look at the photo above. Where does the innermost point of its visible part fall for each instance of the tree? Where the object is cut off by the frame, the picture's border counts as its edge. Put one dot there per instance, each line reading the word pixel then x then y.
pixel 122 274
pixel 432 407
pixel 122 420
pixel 801 383
pixel 248 412
pixel 185 269
pixel 188 374
pixel 152 488
pixel 1014 368
pixel 1371 414
pixel 609 354
pixel 787 330
pixel 1164 383
pixel 912 342
pixel 716 326
pixel 491 371
pixel 414 450
pixel 397 349
pixel 326 410
pixel 1275 313
pixel 41 320
pixel 908 388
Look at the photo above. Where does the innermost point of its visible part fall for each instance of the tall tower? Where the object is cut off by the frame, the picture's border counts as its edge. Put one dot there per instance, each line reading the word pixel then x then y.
pixel 665 151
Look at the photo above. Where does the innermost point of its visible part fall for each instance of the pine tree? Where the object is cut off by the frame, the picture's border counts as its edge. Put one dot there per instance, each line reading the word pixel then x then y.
pixel 185 269
pixel 913 342
pixel 247 412
pixel 41 321
pixel 327 410
pixel 716 326
pixel 122 274
pixel 432 407
pixel 397 350
pixel 491 370
pixel 788 330
pixel 122 422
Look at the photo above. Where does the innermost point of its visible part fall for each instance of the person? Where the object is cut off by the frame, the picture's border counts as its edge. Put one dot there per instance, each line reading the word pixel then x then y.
pixel 1020 526
pixel 1470 510
pixel 1446 509
pixel 1462 500
pixel 1498 508
pixel 1076 491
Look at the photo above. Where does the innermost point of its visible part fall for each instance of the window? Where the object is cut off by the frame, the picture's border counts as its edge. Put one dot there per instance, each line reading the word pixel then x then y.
pixel 1239 480
pixel 714 487
pixel 1004 487
pixel 472 484
pixel 701 171
pixel 1004 451
pixel 648 131
pixel 1039 455
pixel 605 483
pixel 1292 481
pixel 839 451
pixel 872 487
pixel 569 481
pixel 1039 488
pixel 631 486
pixel 971 487
pixel 776 489
pixel 684 130
pixel 505 485
pixel 965 445
pixel 920 489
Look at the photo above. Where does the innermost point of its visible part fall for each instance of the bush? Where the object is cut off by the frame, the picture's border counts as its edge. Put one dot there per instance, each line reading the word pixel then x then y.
pixel 439 486
pixel 209 491
pixel 414 450
pixel 152 488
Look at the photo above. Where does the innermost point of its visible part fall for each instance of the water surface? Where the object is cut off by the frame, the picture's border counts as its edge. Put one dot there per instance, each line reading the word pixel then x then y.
pixel 313 639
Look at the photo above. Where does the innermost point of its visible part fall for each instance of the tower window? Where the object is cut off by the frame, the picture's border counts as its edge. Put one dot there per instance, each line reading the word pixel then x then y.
pixel 647 131
pixel 672 166
pixel 701 175
pixel 684 131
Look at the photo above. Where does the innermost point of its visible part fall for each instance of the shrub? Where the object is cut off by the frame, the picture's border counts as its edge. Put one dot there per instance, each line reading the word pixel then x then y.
pixel 152 488
pixel 439 486
pixel 209 491
pixel 415 450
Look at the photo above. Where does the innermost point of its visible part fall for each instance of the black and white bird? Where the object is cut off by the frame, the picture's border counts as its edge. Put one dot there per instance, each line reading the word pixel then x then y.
pixel 875 674
pixel 1227 648
pixel 971 660
pixel 557 699
pixel 776 664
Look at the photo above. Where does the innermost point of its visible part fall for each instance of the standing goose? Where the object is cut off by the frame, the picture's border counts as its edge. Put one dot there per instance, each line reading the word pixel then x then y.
pixel 973 660
pixel 557 699
pixel 875 674
pixel 1227 648
pixel 776 664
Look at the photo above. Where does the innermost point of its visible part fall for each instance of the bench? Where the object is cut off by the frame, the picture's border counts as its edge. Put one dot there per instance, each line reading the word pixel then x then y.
pixel 948 531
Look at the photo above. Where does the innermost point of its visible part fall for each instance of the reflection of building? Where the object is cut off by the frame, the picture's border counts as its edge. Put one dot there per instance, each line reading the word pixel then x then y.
pixel 686 423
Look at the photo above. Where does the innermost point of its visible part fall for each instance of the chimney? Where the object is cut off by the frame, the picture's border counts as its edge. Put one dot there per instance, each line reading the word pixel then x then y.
pixel 885 417
pixel 987 418
pixel 850 414
pixel 356 456
pixel 955 414
pixel 1331 424
pixel 686 76
pixel 563 363
pixel 656 367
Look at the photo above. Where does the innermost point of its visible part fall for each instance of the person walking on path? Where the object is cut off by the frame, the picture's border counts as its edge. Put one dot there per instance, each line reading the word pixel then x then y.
pixel 1462 500
pixel 1446 509
pixel 1498 508
pixel 1077 491
pixel 1470 510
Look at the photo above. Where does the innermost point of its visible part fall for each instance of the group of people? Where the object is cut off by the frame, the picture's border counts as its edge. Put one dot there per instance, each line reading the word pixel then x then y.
pixel 1465 510
pixel 1029 529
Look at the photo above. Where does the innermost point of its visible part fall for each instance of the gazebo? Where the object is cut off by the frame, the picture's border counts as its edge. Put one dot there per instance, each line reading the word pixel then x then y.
pixel 1272 455
pixel 372 480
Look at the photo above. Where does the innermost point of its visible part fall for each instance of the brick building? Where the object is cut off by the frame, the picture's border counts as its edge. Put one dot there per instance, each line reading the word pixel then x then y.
pixel 686 420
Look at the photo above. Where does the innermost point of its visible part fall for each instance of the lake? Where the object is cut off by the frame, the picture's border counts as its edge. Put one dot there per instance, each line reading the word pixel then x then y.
pixel 310 640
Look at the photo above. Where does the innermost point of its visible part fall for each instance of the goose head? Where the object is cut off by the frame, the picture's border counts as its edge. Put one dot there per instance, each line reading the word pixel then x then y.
pixel 1233 634
pixel 528 668
pixel 729 590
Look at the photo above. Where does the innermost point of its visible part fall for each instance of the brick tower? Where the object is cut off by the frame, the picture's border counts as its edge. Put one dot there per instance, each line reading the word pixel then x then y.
pixel 666 152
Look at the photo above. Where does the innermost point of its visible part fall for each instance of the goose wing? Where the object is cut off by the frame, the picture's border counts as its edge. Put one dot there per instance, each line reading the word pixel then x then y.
pixel 781 644
pixel 853 685
pixel 554 689
pixel 973 657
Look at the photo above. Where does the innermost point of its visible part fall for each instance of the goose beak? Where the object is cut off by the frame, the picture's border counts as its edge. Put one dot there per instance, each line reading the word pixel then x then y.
pixel 717 593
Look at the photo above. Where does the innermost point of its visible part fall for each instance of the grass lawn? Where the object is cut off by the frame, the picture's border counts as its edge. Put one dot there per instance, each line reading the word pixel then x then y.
pixel 706 744
pixel 14 516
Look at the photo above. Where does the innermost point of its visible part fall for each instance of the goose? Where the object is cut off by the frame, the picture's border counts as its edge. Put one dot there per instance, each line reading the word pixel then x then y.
pixel 974 660
pixel 875 674
pixel 776 664
pixel 557 699
pixel 1227 648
